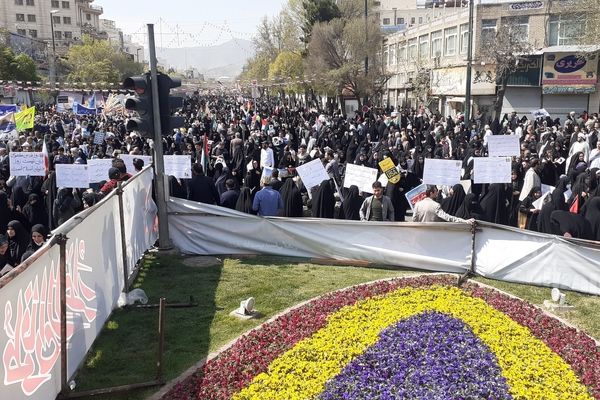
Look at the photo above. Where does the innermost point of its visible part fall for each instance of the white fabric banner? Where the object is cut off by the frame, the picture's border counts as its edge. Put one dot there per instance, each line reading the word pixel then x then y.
pixel 500 252
pixel 204 229
pixel 94 282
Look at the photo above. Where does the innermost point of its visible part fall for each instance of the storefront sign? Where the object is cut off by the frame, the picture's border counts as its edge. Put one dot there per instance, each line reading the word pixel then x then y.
pixel 569 73
pixel 452 81
pixel 528 72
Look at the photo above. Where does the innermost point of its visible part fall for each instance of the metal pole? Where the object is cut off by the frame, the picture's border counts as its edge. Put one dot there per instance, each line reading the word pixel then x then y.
pixel 62 242
pixel 469 62
pixel 53 58
pixel 123 241
pixel 161 339
pixel 366 35
pixel 159 168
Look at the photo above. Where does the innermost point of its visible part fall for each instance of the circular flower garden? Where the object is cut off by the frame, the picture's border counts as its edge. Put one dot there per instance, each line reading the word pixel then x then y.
pixel 412 338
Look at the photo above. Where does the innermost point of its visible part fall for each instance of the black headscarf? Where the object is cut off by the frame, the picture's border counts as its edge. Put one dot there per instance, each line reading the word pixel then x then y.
pixel 452 203
pixel 494 204
pixel 244 201
pixel 352 203
pixel 18 244
pixel 323 202
pixel 35 211
pixel 556 203
pixel 470 208
pixel 574 224
pixel 592 214
pixel 292 199
pixel 41 229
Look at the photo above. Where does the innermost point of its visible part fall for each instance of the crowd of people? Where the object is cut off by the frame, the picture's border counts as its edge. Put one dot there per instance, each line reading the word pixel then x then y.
pixel 245 156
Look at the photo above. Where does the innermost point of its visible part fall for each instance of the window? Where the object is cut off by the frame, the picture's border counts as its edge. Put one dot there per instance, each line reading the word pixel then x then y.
pixel 518 27
pixel 401 52
pixel 30 17
pixel 386 21
pixel 393 54
pixel 400 21
pixel 68 35
pixel 386 61
pixel 450 39
pixel 22 32
pixel 55 3
pixel 56 19
pixel 33 33
pixel 65 4
pixel 30 2
pixel 412 49
pixel 464 38
pixel 420 20
pixel 18 2
pixel 67 20
pixel 20 17
pixel 423 47
pixel 88 17
pixel 57 35
pixel 412 20
pixel 436 44
pixel 488 31
pixel 563 30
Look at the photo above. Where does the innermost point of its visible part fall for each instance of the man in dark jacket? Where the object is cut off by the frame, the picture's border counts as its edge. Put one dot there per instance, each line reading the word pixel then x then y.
pixel 229 198
pixel 201 188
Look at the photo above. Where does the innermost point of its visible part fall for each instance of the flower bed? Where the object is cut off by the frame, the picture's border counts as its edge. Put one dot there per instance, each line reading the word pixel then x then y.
pixel 416 335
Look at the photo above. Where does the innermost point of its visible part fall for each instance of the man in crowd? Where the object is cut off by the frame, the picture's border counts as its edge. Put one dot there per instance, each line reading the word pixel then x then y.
pixel 267 201
pixel 377 207
pixel 429 210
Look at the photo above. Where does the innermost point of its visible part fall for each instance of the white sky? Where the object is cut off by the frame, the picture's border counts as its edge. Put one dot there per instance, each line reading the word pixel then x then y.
pixel 186 23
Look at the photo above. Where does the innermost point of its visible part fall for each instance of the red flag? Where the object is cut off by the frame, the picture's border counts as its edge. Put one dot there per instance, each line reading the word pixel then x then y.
pixel 575 206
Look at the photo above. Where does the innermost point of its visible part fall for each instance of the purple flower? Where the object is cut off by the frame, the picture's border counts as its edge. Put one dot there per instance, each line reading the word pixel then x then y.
pixel 428 356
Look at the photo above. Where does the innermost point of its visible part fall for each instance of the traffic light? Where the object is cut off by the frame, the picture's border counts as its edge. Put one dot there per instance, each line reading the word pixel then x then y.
pixel 141 103
pixel 169 104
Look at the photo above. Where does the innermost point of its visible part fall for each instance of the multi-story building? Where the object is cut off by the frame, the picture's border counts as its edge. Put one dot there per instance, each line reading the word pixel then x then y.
pixel 427 63
pixel 36 18
pixel 135 50
pixel 114 35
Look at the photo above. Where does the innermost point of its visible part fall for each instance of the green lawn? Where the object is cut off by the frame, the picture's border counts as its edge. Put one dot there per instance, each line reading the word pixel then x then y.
pixel 126 350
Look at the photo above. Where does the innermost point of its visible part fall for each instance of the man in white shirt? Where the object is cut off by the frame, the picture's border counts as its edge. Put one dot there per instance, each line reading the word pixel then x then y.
pixel 429 210
pixel 267 159
pixel 531 180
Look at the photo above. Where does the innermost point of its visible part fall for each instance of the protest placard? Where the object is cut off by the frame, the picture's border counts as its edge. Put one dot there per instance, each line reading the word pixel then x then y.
pixel 128 160
pixel 179 166
pixel 268 171
pixel 72 176
pixel 441 172
pixel 27 164
pixel 415 195
pixel 389 170
pixel 98 169
pixel 99 137
pixel 312 173
pixel 466 184
pixel 504 146
pixel 540 202
pixel 362 177
pixel 492 170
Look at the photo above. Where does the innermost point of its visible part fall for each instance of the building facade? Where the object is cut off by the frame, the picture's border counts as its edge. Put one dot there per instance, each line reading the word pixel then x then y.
pixel 427 63
pixel 34 19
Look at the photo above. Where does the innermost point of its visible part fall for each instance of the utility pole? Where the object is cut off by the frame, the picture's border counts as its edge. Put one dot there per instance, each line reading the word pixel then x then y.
pixel 164 242
pixel 469 66
pixel 366 35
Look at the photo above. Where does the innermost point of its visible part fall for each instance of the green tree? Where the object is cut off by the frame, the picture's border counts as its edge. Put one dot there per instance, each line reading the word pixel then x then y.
pixel 315 11
pixel 287 65
pixel 257 68
pixel 98 61
pixel 337 52
pixel 20 67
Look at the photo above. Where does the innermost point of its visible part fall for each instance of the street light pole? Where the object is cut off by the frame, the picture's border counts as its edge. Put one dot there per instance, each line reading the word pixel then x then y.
pixel 53 58
pixel 469 66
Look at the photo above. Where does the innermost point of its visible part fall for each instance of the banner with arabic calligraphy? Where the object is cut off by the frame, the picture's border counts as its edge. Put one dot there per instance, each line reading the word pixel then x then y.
pixel 569 73
pixel 527 72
